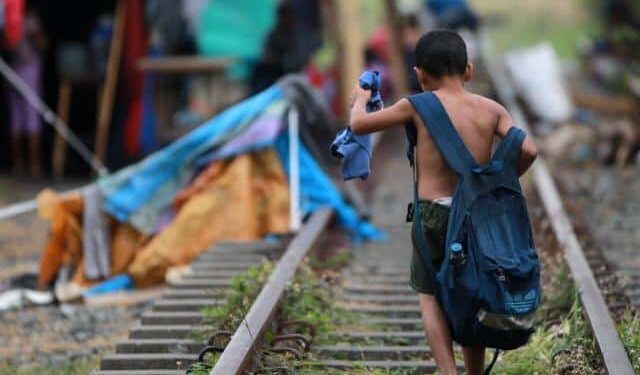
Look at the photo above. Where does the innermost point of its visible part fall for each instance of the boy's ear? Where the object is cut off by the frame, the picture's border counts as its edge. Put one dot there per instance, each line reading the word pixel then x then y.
pixel 468 72
pixel 422 77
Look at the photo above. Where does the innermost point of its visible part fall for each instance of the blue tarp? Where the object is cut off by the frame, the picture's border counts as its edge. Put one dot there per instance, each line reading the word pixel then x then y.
pixel 316 190
pixel 140 193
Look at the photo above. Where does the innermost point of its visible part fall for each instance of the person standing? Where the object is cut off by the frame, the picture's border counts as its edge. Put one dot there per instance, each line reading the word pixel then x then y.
pixel 26 61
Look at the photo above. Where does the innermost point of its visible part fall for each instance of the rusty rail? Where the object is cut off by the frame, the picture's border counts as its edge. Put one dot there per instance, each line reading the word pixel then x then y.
pixel 238 355
pixel 613 352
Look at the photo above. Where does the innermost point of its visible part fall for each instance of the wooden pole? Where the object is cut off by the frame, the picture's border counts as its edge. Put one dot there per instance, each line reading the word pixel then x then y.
pixel 110 82
pixel 59 145
pixel 351 49
pixel 397 56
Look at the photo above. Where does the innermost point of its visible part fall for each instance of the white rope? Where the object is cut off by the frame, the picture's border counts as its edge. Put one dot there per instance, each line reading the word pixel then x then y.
pixel 52 119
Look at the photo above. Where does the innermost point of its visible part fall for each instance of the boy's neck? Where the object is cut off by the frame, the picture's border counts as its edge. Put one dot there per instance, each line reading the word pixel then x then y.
pixel 447 83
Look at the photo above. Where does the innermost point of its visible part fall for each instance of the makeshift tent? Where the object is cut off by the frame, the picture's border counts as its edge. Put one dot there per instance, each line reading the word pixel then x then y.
pixel 226 180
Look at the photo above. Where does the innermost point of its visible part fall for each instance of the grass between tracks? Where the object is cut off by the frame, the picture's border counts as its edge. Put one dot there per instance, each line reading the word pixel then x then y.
pixel 563 343
pixel 308 297
pixel 76 367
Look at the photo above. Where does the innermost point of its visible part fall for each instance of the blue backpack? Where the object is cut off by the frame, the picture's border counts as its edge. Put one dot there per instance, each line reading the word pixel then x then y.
pixel 489 298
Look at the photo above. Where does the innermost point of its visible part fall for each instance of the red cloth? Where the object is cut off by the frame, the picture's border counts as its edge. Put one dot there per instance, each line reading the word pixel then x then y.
pixel 135 47
pixel 13 22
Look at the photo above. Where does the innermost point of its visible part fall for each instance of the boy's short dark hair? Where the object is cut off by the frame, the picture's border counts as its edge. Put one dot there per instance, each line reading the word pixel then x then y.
pixel 441 52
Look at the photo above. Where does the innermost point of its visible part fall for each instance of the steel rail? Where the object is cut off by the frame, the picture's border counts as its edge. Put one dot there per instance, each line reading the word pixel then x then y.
pixel 239 353
pixel 609 344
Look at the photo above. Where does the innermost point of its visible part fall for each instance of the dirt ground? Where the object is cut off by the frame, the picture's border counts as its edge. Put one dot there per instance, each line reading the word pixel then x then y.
pixel 56 334
pixel 608 201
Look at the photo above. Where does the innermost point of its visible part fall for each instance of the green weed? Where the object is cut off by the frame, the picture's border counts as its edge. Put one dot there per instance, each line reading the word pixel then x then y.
pixel 629 331
pixel 77 367
pixel 336 262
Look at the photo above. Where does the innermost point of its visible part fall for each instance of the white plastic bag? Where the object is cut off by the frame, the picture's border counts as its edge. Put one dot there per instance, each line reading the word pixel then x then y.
pixel 537 77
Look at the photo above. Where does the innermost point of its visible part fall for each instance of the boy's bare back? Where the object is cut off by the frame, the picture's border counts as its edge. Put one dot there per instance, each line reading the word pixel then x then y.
pixel 476 119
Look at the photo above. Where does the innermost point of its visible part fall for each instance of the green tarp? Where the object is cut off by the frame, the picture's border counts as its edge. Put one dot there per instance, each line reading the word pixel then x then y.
pixel 237 29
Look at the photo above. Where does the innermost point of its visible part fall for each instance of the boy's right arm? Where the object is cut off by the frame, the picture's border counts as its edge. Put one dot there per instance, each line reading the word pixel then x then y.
pixel 529 150
pixel 362 122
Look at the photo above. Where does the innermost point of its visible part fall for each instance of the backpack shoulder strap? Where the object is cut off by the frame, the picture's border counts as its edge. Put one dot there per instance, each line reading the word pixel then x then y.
pixel 510 146
pixel 438 124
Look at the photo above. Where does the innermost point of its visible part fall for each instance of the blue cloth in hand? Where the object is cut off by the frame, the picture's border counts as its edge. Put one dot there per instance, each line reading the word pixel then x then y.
pixel 356 152
pixel 356 149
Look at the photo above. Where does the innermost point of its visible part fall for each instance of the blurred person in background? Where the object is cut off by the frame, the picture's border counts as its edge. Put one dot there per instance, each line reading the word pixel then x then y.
pixel 453 14
pixel 290 45
pixel 26 61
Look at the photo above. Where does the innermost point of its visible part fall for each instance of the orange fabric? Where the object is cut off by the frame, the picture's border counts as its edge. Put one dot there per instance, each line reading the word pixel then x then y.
pixel 125 242
pixel 200 183
pixel 65 240
pixel 239 199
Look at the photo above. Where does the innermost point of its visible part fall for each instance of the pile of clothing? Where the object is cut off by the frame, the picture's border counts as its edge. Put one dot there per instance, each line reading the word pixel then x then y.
pixel 226 180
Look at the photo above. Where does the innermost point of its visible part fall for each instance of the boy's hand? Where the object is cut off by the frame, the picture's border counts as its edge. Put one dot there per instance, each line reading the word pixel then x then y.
pixel 359 93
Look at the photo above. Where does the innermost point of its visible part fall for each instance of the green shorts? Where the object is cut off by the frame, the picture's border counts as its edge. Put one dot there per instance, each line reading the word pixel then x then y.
pixel 434 224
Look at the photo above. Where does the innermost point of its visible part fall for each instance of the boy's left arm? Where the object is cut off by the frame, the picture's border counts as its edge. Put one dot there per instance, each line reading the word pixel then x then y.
pixel 362 122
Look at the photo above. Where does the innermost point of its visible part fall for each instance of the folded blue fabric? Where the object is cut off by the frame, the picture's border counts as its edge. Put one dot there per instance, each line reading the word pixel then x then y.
pixel 356 152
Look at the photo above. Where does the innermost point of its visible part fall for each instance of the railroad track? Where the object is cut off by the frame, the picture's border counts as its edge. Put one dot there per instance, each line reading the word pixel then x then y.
pixel 617 272
pixel 161 343
pixel 375 286
pixel 589 269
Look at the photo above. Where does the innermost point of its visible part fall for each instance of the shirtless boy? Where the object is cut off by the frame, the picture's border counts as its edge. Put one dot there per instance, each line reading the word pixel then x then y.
pixel 443 68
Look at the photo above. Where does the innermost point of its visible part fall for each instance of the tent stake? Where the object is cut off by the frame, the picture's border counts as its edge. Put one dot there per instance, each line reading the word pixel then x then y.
pixel 294 171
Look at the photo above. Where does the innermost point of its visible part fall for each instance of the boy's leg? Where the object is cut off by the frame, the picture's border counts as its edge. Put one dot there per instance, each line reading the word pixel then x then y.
pixel 473 359
pixel 438 334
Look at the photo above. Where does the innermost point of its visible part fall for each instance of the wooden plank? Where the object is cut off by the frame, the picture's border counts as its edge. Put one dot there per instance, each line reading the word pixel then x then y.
pixel 184 64
pixel 397 57
pixel 612 105
pixel 373 353
pixel 125 298
pixel 110 82
pixel 239 352
pixel 613 352
pixel 59 145
pixel 417 367
pixel 351 49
